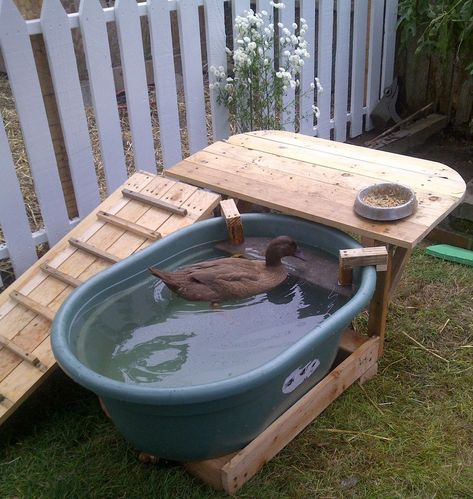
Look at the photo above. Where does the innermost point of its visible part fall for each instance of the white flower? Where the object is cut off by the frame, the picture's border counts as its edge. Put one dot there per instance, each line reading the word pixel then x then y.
pixel 277 5
pixel 264 13
pixel 229 80
pixel 286 53
pixel 320 89
pixel 280 25
pixel 316 111
pixel 294 25
pixel 228 51
pixel 312 86
pixel 246 39
pixel 303 21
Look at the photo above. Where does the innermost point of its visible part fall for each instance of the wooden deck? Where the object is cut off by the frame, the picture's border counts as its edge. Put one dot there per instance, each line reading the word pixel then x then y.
pixel 119 227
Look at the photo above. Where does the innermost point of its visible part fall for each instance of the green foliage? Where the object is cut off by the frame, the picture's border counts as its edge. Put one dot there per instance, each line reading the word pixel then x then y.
pixel 440 27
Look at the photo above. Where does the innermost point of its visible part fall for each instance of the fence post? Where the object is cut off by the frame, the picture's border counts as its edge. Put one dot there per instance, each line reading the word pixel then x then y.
pixel 31 9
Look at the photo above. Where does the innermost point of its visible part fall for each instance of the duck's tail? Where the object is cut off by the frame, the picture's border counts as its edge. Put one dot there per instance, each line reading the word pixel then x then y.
pixel 158 273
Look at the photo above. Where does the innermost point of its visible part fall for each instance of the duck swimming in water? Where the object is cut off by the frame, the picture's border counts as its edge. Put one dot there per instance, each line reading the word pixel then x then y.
pixel 229 278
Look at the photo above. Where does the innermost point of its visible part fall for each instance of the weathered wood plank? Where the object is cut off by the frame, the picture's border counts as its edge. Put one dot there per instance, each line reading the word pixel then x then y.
pixel 65 77
pixel 22 354
pixel 62 276
pixel 99 67
pixel 136 88
pixel 189 37
pixel 23 79
pixel 165 80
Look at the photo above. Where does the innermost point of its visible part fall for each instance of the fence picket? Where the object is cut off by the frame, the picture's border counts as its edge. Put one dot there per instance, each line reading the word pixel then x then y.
pixel 65 77
pixel 216 56
pixel 360 24
pixel 189 36
pixel 374 57
pixel 287 16
pixel 20 65
pixel 136 87
pixel 389 43
pixel 308 70
pixel 102 89
pixel 165 80
pixel 324 57
pixel 342 61
pixel 13 219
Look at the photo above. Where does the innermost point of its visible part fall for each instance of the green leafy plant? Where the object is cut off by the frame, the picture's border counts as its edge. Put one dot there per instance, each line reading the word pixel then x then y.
pixel 441 27
pixel 254 88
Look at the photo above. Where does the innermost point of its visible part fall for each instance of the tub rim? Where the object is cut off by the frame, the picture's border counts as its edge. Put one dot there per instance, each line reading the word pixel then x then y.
pixel 245 382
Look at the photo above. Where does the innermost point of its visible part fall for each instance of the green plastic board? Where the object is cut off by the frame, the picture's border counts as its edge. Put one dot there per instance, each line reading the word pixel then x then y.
pixel 452 253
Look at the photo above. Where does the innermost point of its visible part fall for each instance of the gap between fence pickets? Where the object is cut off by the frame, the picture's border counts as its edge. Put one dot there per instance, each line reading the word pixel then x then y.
pixel 233 471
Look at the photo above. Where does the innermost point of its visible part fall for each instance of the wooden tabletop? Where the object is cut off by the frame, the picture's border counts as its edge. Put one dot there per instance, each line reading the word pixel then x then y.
pixel 318 180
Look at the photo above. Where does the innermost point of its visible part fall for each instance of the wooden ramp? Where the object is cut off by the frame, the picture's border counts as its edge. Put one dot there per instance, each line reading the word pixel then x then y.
pixel 144 209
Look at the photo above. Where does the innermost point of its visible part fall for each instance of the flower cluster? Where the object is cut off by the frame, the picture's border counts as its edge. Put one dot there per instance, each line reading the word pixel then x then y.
pixel 253 91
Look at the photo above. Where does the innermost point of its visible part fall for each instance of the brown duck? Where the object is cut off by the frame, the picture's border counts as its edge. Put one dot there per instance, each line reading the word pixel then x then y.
pixel 229 278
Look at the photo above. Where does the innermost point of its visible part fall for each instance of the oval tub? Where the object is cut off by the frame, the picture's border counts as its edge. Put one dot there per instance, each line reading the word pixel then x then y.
pixel 212 419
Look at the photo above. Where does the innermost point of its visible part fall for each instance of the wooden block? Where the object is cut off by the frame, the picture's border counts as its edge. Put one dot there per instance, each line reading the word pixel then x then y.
pixel 232 218
pixel 32 305
pixel 361 257
pixel 369 374
pixel 32 359
pixel 129 226
pixel 62 276
pixel 92 250
pixel 152 201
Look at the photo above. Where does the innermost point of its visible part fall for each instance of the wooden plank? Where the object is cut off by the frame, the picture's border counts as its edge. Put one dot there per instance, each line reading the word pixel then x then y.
pixel 307 12
pixel 324 65
pixel 136 88
pixel 18 351
pixel 33 305
pixel 23 79
pixel 165 80
pixel 233 220
pixel 287 16
pixel 351 340
pixel 102 89
pixel 157 203
pixel 374 91
pixel 360 257
pixel 62 276
pixel 241 467
pixel 191 58
pixel 216 56
pixel 360 25
pixel 88 248
pixel 63 67
pixel 13 218
pixel 400 259
pixel 342 63
pixel 128 226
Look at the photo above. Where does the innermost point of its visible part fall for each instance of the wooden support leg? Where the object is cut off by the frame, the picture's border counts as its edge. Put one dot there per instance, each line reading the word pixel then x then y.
pixel 378 308
pixel 369 374
pixel 400 259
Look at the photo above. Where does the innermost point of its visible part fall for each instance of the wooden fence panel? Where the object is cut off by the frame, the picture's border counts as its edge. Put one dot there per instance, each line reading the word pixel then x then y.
pixel 287 16
pixel 165 81
pixel 324 58
pixel 20 65
pixel 102 89
pixel 189 36
pixel 342 65
pixel 374 57
pixel 65 77
pixel 308 70
pixel 136 87
pixel 216 56
pixel 13 219
pixel 360 25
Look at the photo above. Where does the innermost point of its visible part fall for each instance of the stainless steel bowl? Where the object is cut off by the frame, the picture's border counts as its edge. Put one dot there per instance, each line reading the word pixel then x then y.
pixel 386 213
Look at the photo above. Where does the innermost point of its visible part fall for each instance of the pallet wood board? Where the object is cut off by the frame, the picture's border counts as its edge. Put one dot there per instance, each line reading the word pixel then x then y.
pixel 318 180
pixel 28 306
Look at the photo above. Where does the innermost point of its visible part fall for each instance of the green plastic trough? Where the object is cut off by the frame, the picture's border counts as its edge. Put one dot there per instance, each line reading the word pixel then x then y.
pixel 204 421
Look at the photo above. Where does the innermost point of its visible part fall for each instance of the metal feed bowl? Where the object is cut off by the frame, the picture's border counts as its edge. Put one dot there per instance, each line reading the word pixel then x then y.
pixel 387 213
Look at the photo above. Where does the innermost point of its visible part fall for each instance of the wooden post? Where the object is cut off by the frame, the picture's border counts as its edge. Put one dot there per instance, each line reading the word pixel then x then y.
pixel 31 9
pixel 232 218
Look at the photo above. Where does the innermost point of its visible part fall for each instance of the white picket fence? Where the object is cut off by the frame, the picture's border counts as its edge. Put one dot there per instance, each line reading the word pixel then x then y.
pixel 352 44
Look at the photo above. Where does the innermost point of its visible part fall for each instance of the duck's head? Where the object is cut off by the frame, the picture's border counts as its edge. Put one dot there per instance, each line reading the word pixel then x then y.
pixel 280 247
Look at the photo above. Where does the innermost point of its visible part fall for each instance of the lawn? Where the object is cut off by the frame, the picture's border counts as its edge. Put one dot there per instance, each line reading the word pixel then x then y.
pixel 406 433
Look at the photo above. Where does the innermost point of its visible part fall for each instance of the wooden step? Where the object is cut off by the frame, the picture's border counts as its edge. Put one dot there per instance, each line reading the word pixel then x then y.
pixel 157 203
pixel 61 276
pixel 18 351
pixel 33 305
pixel 154 235
pixel 93 250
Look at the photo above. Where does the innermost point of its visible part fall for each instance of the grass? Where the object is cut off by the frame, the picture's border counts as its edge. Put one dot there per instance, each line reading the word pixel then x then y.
pixel 407 433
